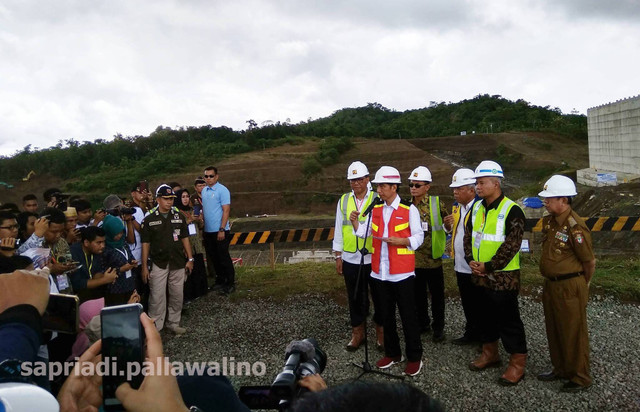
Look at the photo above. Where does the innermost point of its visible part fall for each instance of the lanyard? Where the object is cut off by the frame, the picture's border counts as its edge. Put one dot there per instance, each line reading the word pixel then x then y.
pixel 89 265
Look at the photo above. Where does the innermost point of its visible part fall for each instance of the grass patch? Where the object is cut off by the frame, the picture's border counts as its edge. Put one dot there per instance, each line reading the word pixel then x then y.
pixel 616 276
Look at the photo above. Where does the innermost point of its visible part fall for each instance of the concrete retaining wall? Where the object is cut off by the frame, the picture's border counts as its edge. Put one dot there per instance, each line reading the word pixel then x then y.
pixel 614 136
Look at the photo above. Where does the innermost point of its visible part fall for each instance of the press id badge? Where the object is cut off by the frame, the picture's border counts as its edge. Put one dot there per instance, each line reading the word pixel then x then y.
pixel 62 282
pixel 425 226
pixel 478 239
pixel 192 229
pixel 175 237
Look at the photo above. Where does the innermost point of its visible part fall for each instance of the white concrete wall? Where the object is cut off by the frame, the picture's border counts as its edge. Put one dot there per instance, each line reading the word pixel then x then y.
pixel 614 136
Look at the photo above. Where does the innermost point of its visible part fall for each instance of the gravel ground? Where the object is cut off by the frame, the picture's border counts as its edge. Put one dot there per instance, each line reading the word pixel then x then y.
pixel 259 331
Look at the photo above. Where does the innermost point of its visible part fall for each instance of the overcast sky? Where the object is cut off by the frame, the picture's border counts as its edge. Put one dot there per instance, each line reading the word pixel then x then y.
pixel 85 70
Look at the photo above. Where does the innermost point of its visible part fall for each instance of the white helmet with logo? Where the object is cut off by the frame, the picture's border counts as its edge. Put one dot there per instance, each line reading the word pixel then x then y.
pixel 463 177
pixel 357 170
pixel 421 173
pixel 558 186
pixel 387 174
pixel 488 168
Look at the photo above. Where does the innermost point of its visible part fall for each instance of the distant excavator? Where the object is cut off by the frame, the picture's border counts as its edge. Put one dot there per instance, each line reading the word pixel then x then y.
pixel 29 176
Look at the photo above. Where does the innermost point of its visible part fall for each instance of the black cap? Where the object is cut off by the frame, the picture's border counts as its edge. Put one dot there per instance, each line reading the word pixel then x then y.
pixel 165 190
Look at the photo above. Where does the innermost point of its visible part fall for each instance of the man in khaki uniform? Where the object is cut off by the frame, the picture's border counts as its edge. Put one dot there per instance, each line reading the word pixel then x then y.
pixel 165 239
pixel 567 264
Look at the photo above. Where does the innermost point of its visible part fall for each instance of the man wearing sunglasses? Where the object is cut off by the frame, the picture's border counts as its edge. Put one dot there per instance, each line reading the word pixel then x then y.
pixel 347 249
pixel 216 205
pixel 429 273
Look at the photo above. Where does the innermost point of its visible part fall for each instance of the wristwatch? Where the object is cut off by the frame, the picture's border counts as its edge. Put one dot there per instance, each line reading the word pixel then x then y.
pixel 190 260
pixel 221 229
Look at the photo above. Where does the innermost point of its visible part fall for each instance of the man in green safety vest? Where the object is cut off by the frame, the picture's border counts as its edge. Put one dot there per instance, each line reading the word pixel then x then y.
pixel 348 253
pixel 429 273
pixel 492 248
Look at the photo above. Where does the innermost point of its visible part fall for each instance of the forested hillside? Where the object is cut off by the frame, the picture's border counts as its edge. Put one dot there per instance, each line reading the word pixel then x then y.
pixel 112 165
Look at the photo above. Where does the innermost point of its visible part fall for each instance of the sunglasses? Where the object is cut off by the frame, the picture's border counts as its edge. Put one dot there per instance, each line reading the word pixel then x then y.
pixel 416 185
pixel 209 176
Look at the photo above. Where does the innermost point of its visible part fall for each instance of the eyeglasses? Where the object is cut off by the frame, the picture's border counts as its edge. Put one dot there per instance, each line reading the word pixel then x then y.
pixel 209 176
pixel 358 180
pixel 416 185
pixel 12 227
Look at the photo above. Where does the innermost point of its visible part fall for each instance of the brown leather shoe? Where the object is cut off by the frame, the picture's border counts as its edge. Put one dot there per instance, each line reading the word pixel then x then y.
pixel 379 338
pixel 488 358
pixel 357 336
pixel 515 370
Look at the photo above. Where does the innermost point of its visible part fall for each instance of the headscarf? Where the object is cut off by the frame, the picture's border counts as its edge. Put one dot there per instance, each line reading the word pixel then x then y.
pixel 112 226
pixel 177 202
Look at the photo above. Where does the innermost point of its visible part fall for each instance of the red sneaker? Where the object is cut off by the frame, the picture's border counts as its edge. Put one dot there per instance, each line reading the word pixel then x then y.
pixel 413 368
pixel 387 361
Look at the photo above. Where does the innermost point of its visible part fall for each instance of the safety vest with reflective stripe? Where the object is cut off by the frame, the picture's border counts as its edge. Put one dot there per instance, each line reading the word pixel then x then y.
pixel 492 231
pixel 457 212
pixel 401 259
pixel 438 235
pixel 347 205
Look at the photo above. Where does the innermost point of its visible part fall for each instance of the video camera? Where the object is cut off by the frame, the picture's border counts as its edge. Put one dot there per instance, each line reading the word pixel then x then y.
pixel 302 358
pixel 121 210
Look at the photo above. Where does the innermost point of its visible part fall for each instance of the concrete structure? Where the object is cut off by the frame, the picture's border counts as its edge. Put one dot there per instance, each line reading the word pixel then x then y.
pixel 614 143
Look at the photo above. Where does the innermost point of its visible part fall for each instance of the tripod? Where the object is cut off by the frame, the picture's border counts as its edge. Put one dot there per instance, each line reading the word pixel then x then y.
pixel 366 366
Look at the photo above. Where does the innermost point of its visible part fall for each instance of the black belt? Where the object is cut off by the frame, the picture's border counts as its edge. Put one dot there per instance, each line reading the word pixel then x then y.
pixel 565 277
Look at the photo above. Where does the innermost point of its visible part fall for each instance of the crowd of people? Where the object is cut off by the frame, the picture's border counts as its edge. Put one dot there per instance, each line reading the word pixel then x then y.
pixel 159 250
pixel 392 249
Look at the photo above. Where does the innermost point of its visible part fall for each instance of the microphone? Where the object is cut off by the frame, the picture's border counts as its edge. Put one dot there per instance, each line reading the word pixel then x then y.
pixel 376 201
pixel 303 348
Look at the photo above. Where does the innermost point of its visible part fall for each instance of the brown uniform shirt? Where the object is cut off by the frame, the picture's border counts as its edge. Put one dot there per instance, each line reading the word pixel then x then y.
pixel 424 254
pixel 165 234
pixel 566 244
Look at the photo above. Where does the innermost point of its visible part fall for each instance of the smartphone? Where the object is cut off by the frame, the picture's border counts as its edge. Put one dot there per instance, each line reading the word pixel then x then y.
pixel 144 186
pixel 61 314
pixel 122 349
pixel 197 209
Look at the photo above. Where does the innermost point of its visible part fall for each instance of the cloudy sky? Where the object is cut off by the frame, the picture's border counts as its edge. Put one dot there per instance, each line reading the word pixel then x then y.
pixel 85 70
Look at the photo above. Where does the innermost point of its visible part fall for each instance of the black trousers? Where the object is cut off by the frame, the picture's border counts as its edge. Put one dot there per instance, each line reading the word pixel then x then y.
pixel 399 294
pixel 218 250
pixel 433 280
pixel 196 284
pixel 470 296
pixel 359 299
pixel 501 320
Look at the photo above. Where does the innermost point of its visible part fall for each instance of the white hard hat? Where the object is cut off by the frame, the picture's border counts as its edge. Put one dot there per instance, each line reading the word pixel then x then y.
pixel 357 170
pixel 488 168
pixel 387 174
pixel 420 173
pixel 558 186
pixel 463 177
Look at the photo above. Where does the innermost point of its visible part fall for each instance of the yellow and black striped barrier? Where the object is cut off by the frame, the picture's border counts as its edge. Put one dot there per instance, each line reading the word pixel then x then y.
pixel 595 224
pixel 598 224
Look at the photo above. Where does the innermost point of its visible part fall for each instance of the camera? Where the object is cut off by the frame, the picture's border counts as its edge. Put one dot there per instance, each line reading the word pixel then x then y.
pixel 122 210
pixel 302 358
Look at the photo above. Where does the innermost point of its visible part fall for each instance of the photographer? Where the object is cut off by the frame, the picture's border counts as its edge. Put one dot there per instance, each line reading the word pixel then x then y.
pixel 55 198
pixel 71 233
pixel 9 260
pixel 89 279
pixel 117 255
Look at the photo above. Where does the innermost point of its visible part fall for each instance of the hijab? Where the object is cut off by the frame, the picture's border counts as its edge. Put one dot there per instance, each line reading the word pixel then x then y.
pixel 112 226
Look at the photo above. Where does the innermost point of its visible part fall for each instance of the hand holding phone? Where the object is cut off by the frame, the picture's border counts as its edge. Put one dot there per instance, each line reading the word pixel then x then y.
pixel 122 345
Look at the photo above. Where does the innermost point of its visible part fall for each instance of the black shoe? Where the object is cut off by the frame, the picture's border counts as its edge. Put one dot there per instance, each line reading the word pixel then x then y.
pixel 425 329
pixel 217 287
pixel 572 387
pixel 464 340
pixel 438 336
pixel 227 290
pixel 548 376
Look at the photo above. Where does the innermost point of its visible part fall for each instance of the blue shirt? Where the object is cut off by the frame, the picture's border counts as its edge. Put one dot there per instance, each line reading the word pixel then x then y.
pixel 213 198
